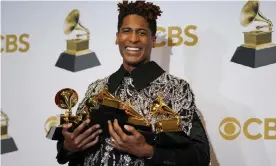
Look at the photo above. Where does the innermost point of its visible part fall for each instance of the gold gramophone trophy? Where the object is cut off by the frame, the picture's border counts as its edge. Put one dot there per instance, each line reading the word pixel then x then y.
pixel 258 49
pixel 101 107
pixel 65 99
pixel 172 120
pixel 164 131
pixel 77 56
pixel 7 142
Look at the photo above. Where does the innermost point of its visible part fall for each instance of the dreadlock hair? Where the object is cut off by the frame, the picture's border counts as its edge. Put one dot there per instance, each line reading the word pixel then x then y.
pixel 145 9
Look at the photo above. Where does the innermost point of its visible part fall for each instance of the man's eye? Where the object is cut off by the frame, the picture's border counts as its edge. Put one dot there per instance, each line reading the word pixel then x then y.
pixel 125 30
pixel 142 33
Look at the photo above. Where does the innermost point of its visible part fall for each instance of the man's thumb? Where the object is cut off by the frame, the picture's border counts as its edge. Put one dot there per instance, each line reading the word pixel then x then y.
pixel 67 126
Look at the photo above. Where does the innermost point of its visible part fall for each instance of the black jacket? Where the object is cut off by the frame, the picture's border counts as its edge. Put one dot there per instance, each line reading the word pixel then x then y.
pixel 196 151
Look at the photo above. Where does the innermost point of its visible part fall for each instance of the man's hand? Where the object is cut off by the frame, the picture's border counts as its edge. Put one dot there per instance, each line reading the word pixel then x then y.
pixel 134 144
pixel 76 141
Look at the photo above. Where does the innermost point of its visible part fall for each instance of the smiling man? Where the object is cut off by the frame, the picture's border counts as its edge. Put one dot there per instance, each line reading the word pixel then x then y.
pixel 138 81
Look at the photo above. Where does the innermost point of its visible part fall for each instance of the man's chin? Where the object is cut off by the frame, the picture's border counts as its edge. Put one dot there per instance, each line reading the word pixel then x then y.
pixel 135 63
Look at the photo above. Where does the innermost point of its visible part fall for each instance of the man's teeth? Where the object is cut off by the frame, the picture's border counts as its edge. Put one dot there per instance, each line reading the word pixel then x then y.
pixel 133 49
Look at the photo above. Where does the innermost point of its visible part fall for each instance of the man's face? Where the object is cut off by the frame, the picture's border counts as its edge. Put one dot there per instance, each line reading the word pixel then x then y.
pixel 135 40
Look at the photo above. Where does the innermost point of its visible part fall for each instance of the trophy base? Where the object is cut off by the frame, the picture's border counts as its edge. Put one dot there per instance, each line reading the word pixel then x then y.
pixel 253 57
pixel 8 145
pixel 257 38
pixel 76 63
pixel 55 133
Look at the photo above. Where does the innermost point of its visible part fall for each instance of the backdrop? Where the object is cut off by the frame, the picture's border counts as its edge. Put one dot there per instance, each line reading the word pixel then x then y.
pixel 196 42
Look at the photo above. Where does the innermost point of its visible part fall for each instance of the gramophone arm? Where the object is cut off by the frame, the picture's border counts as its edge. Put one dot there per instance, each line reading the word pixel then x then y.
pixel 87 35
pixel 263 26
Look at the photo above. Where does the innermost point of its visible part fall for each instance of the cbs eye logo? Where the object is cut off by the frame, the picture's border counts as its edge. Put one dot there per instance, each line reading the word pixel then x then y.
pixel 230 128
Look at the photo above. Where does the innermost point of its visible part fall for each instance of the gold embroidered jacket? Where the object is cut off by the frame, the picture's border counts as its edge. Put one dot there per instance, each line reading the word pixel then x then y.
pixel 140 88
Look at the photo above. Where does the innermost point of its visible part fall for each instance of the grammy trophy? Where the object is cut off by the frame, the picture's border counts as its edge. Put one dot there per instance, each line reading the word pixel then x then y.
pixel 7 143
pixel 65 99
pixel 103 106
pixel 77 57
pixel 258 49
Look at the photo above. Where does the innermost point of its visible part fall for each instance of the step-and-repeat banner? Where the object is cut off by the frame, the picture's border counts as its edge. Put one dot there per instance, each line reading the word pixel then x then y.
pixel 225 50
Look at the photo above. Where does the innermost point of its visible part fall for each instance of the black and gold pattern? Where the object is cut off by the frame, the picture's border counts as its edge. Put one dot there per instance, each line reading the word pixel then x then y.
pixel 176 93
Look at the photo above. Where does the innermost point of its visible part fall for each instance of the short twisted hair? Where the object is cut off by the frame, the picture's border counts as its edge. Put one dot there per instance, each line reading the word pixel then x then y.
pixel 145 9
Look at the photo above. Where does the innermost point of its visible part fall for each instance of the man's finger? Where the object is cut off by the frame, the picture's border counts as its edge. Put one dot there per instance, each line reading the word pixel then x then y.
pixel 86 134
pixel 90 138
pixel 132 130
pixel 119 131
pixel 65 128
pixel 81 127
pixel 113 141
pixel 114 145
pixel 91 143
pixel 114 134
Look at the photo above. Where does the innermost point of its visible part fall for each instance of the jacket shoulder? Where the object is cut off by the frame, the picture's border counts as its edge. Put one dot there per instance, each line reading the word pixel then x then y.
pixel 173 80
pixel 96 86
pixel 93 89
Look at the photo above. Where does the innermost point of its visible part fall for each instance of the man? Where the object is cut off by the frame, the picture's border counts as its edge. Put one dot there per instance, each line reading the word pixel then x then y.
pixel 139 81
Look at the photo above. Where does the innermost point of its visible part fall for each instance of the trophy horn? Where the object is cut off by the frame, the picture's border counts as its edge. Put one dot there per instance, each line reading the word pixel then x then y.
pixel 104 98
pixel 107 99
pixel 159 107
pixel 112 101
pixel 250 12
pixel 66 99
pixel 170 120
pixel 72 22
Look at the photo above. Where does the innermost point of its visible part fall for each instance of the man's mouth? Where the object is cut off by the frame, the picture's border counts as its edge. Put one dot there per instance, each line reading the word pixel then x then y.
pixel 133 49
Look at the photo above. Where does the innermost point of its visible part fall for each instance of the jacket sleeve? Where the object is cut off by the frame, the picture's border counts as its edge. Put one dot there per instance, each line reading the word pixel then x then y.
pixel 63 155
pixel 197 152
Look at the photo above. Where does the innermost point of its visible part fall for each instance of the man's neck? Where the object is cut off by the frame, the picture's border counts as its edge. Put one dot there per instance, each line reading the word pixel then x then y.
pixel 130 68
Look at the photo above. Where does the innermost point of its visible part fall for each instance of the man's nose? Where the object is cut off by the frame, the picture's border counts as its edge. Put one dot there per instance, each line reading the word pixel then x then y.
pixel 134 38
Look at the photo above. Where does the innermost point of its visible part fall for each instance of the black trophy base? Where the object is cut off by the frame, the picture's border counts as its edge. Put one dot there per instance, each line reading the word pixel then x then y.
pixel 76 63
pixel 102 114
pixel 55 133
pixel 254 58
pixel 8 145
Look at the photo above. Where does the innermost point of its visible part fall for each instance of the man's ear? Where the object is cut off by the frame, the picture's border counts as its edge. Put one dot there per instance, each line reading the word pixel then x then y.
pixel 117 36
pixel 153 41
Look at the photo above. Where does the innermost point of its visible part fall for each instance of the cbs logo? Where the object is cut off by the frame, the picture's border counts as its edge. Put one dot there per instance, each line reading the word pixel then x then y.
pixel 230 128
pixel 13 43
pixel 183 36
